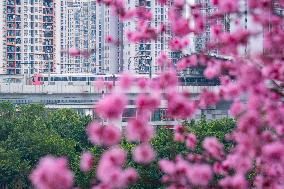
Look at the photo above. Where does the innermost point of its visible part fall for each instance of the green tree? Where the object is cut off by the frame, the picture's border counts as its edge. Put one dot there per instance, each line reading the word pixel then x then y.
pixel 203 128
pixel 28 138
pixel 13 169
pixel 30 132
pixel 167 148
pixel 7 118
pixel 70 125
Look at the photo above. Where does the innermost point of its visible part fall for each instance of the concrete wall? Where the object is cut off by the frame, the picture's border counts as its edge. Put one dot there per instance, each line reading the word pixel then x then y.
pixel 84 98
pixel 70 89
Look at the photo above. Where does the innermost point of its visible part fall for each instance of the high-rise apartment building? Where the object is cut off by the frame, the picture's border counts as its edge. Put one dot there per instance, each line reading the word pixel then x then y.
pixel 207 10
pixel 33 34
pixel 78 30
pixel 245 20
pixel 231 23
pixel 28 30
pixel 141 58
pixel 109 56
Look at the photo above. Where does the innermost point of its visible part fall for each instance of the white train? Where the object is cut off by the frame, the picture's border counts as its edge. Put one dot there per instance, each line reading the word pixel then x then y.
pixel 74 79
pixel 89 79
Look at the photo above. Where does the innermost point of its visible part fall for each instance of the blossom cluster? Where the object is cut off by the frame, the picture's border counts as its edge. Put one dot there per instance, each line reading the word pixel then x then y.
pixel 253 82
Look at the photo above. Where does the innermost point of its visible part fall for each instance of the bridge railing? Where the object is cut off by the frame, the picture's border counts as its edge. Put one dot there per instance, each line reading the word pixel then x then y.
pixel 59 89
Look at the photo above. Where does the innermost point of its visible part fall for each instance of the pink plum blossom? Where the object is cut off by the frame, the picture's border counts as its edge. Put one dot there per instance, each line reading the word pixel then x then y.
pixel 253 81
pixel 87 161
pixel 200 174
pixel 111 106
pixel 179 106
pixel 234 182
pixel 191 141
pixel 139 130
pixel 103 135
pixel 74 52
pixel 213 147
pixel 52 173
pixel 148 102
pixel 110 169
pixel 142 82
pixel 208 98
pixel 125 81
pixel 144 154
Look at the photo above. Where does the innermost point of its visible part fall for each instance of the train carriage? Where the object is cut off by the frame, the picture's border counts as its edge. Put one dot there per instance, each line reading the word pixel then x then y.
pixel 89 79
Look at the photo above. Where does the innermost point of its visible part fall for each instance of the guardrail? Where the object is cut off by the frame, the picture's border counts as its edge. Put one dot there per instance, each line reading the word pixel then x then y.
pixel 61 89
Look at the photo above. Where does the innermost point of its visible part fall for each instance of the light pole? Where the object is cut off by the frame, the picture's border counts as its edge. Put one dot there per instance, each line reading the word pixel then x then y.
pixel 49 70
pixel 103 92
pixel 182 74
pixel 129 62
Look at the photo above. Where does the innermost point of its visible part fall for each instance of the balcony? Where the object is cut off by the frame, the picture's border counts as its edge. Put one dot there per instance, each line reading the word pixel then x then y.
pixel 10 10
pixel 18 56
pixel 48 49
pixel 48 34
pixel 11 49
pixel 47 57
pixel 10 57
pixel 11 33
pixel 18 18
pixel 48 26
pixel 11 64
pixel 18 64
pixel 48 19
pixel 18 25
pixel 11 2
pixel 145 47
pixel 11 18
pixel 48 11
pixel 13 71
pixel 18 41
pixel 146 3
pixel 48 42
pixel 11 40
pixel 48 3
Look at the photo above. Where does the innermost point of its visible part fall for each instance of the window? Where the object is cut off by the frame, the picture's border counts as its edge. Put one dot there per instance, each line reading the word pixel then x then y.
pixel 78 78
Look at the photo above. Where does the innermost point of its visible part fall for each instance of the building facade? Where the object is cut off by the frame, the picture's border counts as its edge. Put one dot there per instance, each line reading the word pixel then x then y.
pixel 109 55
pixel 28 36
pixel 78 30
pixel 201 40
pixel 33 34
pixel 230 23
pixel 140 58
